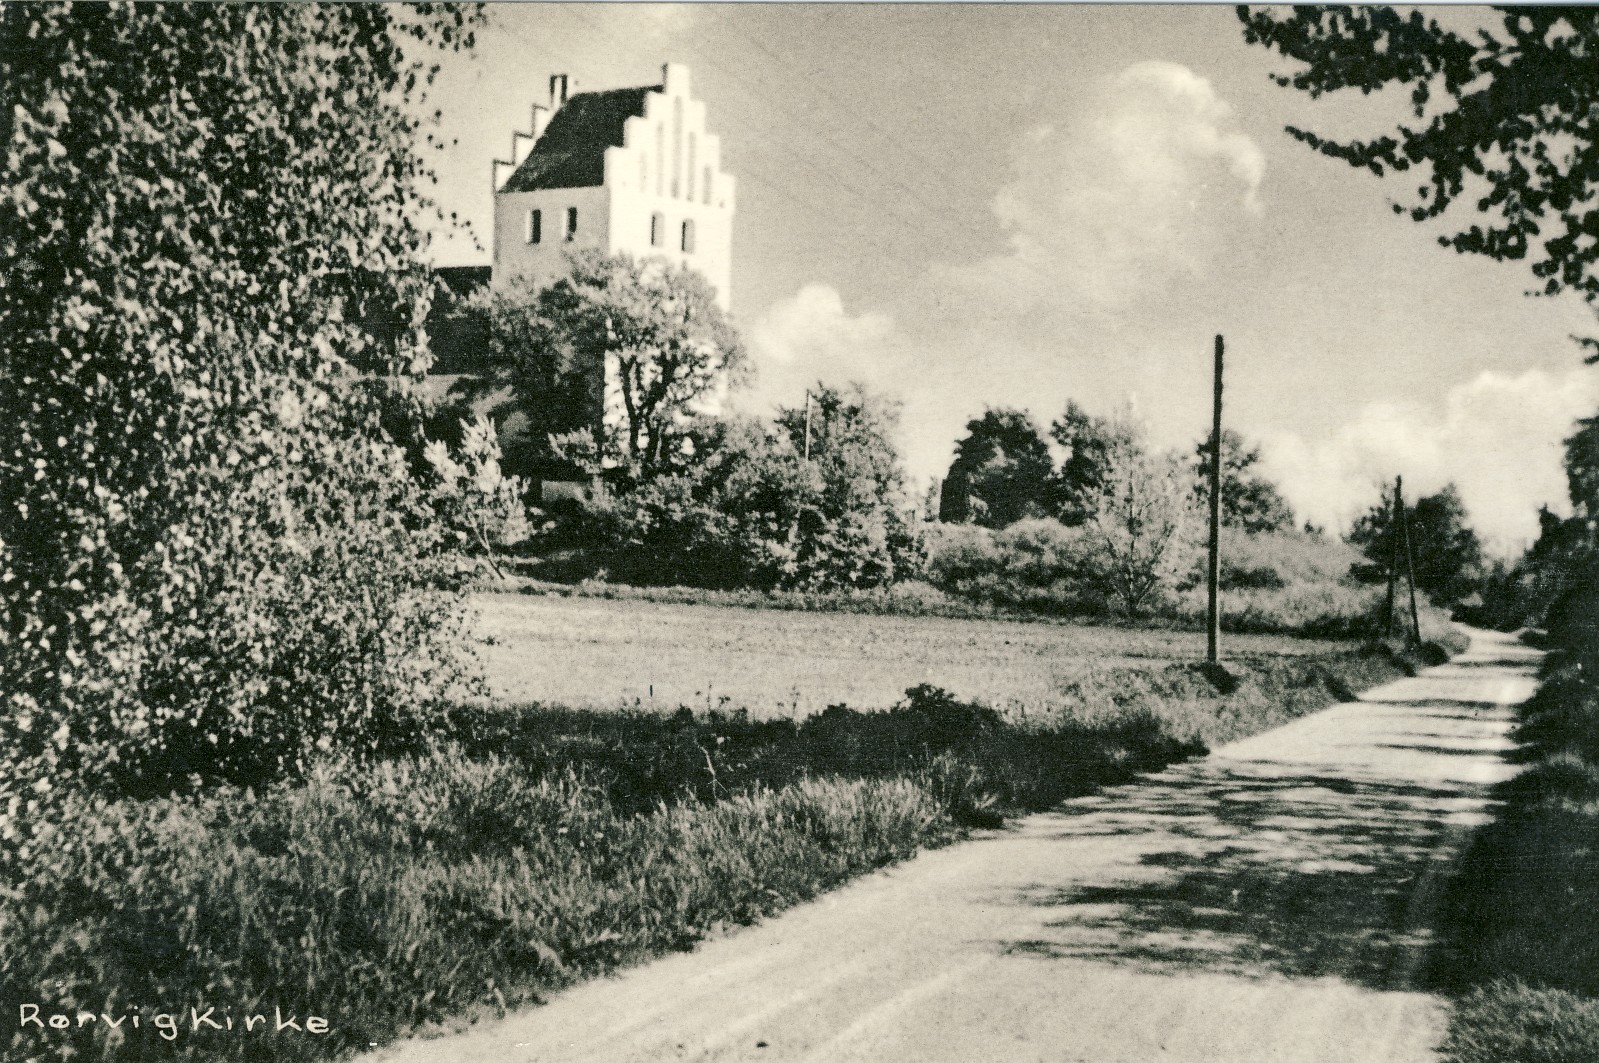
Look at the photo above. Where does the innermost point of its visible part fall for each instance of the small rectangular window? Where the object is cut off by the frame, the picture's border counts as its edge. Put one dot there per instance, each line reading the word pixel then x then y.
pixel 571 224
pixel 657 229
pixel 688 236
pixel 535 226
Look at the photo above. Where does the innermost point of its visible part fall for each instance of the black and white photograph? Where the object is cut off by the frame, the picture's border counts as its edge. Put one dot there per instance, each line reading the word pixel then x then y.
pixel 613 532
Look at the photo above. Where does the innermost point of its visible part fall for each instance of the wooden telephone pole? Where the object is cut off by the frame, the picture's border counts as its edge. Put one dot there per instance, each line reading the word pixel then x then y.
pixel 1213 562
pixel 1394 510
pixel 1410 573
pixel 1399 528
pixel 807 424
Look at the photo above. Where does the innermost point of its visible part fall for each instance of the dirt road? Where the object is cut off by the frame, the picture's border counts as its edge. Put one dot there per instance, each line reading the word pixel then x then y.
pixel 1273 901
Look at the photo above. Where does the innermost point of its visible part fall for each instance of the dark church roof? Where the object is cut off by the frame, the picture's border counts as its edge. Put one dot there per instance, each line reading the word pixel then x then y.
pixel 571 153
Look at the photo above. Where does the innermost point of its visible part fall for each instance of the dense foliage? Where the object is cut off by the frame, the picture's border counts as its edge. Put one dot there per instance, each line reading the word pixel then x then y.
pixel 631 353
pixel 751 510
pixel 1564 557
pixel 1002 473
pixel 1582 467
pixel 1520 594
pixel 212 558
pixel 1134 550
pixel 1524 903
pixel 1090 443
pixel 1144 527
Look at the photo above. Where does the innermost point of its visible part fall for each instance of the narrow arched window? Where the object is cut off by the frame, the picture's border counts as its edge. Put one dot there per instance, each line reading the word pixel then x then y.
pixel 688 236
pixel 660 160
pixel 677 148
pixel 657 229
pixel 535 226
pixel 571 224
pixel 693 164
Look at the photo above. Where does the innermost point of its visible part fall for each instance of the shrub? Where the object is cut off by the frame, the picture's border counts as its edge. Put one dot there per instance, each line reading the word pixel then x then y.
pixel 1035 564
pixel 751 511
pixel 1142 528
pixel 402 894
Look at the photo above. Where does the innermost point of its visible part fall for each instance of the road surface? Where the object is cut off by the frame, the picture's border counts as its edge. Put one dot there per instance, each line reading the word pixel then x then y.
pixel 1274 901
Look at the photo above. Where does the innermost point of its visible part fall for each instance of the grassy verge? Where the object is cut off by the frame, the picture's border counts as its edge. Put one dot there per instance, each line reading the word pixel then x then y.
pixel 1106 726
pixel 1529 890
pixel 391 899
pixel 541 846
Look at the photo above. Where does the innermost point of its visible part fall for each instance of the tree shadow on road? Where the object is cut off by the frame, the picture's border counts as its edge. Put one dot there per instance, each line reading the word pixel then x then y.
pixel 1300 873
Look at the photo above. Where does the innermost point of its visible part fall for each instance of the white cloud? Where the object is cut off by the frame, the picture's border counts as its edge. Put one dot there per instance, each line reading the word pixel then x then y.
pixel 812 327
pixel 1127 195
pixel 1498 437
pixel 812 336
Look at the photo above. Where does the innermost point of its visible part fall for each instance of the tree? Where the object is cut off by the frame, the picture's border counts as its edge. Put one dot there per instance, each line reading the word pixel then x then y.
pixel 1447 553
pixel 527 368
pixel 1503 119
pixel 1093 445
pixel 752 510
pixel 859 530
pixel 1142 526
pixel 643 341
pixel 1002 471
pixel 1582 467
pixel 1248 501
pixel 212 558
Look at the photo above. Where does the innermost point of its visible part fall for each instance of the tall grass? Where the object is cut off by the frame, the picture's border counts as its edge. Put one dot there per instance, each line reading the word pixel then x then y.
pixel 425 889
pixel 1524 909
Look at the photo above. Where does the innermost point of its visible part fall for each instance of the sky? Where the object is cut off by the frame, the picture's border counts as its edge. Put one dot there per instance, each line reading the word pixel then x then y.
pixel 969 206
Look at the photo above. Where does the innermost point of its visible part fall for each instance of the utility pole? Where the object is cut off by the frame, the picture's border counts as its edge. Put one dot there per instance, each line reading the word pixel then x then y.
pixel 1410 569
pixel 1213 563
pixel 1395 515
pixel 807 424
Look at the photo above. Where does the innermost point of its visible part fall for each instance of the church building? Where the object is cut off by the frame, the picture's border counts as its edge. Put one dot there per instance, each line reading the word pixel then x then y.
pixel 626 170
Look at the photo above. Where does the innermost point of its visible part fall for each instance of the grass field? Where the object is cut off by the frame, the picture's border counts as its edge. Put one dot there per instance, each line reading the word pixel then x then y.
pixel 598 653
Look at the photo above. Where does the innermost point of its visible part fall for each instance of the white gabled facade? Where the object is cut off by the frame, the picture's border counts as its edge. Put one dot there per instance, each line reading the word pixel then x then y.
pixel 624 170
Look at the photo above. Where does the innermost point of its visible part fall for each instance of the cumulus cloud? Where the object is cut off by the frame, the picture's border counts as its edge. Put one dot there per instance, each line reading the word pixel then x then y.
pixel 813 336
pixel 1125 195
pixel 1498 437
pixel 813 328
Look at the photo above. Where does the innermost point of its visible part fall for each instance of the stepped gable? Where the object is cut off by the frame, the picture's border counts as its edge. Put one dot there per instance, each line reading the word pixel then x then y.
pixel 571 153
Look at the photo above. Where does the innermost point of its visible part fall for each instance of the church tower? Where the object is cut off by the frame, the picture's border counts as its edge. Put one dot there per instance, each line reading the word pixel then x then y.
pixel 626 170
